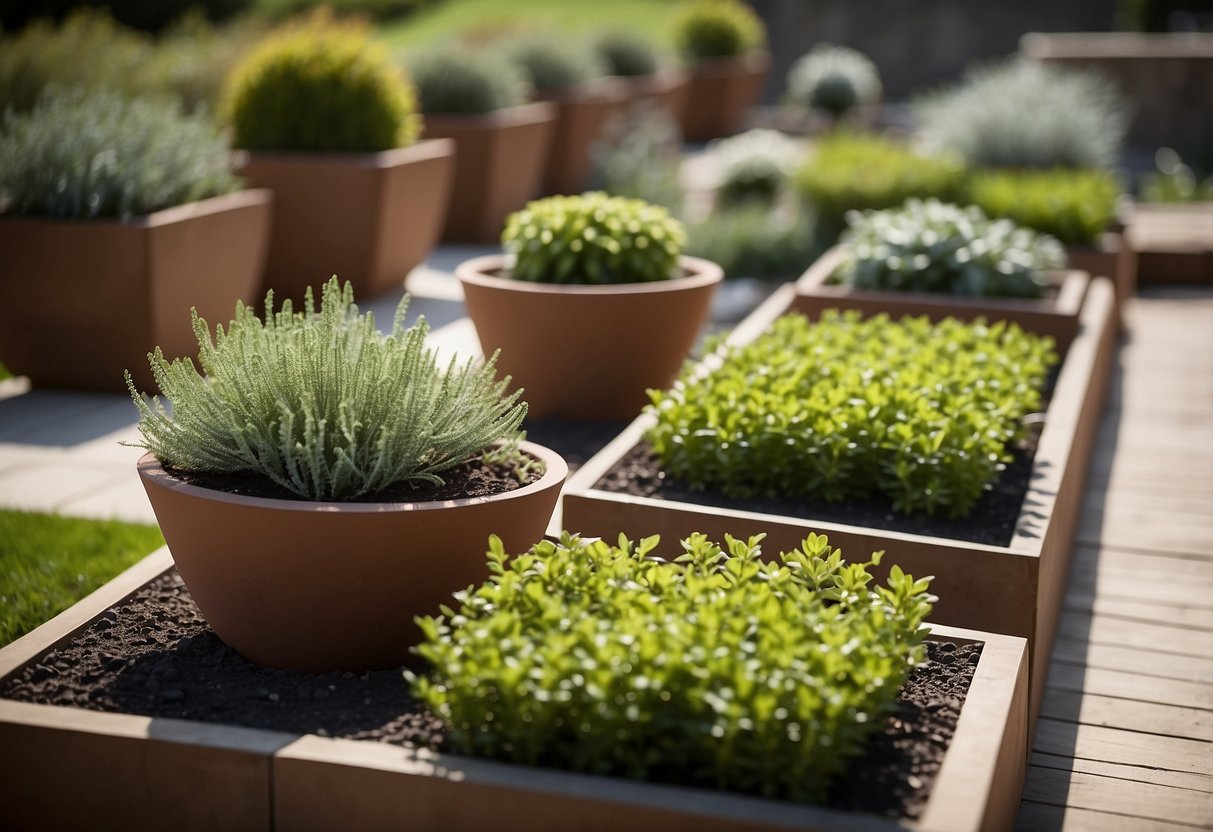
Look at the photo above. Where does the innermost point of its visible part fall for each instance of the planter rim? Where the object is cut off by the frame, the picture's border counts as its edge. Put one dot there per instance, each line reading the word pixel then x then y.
pixel 533 112
pixel 663 76
pixel 754 59
pixel 416 152
pixel 165 216
pixel 483 271
pixel 556 471
pixel 608 89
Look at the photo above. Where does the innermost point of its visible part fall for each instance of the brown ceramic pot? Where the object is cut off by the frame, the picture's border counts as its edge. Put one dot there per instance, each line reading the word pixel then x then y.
pixel 666 88
pixel 582 116
pixel 587 352
pixel 368 218
pixel 721 92
pixel 500 160
pixel 335 586
pixel 83 300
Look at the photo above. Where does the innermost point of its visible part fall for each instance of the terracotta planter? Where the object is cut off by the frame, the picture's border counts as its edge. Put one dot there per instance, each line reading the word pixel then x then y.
pixel 499 163
pixel 582 115
pixel 721 92
pixel 368 218
pixel 666 88
pixel 335 586
pixel 1056 314
pixel 83 300
pixel 1014 589
pixel 587 352
pixel 128 772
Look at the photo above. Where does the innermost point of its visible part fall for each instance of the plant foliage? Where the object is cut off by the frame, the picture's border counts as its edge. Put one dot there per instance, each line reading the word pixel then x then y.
pixel 320 86
pixel 717 29
pixel 1025 114
pixel 626 54
pixel 845 408
pixel 640 156
pixel 717 669
pixel 84 155
pixel 593 238
pixel 754 166
pixel 321 403
pixel 1174 181
pixel 466 82
pixel 552 63
pixel 1075 206
pixel 753 240
pixel 834 79
pixel 930 246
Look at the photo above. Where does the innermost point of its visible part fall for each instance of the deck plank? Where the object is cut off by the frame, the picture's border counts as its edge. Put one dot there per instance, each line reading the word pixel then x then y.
pixel 1127 714
pixel 1119 797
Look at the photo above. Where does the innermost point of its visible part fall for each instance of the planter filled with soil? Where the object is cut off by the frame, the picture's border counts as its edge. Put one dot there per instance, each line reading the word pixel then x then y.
pixel 1003 571
pixel 130 702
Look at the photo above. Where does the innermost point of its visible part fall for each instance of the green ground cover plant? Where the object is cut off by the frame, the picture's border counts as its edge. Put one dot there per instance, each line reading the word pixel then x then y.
pixel 931 246
pixel 321 403
pixel 48 563
pixel 1075 206
pixel 922 414
pixel 706 29
pixel 717 669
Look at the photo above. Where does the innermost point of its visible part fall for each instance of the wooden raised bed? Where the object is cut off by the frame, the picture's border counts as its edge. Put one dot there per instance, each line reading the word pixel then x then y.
pixel 1014 589
pixel 72 768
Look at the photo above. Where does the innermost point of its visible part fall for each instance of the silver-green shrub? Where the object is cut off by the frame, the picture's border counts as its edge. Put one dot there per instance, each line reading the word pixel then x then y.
pixel 465 82
pixel 834 79
pixel 626 54
pixel 640 156
pixel 1024 114
pixel 593 238
pixel 323 404
pixel 552 62
pixel 85 154
pixel 754 166
pixel 932 246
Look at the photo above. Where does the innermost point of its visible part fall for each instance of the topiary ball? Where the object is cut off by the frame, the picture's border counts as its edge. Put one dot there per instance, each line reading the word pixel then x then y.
pixel 717 29
pixel 593 238
pixel 626 54
pixel 320 86
pixel 551 64
pixel 461 83
pixel 834 79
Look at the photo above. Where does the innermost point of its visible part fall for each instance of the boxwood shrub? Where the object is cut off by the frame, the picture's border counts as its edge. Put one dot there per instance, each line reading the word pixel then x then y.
pixel 923 414
pixel 705 29
pixel 1075 206
pixel 717 669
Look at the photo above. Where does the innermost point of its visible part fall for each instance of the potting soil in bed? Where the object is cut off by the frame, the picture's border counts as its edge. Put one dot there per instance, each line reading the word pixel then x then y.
pixel 155 656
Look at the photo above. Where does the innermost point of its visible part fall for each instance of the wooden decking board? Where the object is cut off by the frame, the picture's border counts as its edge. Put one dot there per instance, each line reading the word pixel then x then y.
pixel 1114 745
pixel 1127 714
pixel 1040 817
pixel 1105 629
pixel 1117 771
pixel 1119 797
pixel 1144 662
pixel 1130 685
pixel 1144 559
pixel 1133 611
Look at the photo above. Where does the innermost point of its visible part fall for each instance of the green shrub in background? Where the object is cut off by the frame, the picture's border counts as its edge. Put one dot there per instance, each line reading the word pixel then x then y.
pixel 373 9
pixel 705 29
pixel 551 62
pixel 322 404
pixel 754 166
pixel 86 154
pixel 465 83
pixel 193 58
pixel 718 670
pixel 755 241
pixel 640 156
pixel 1173 181
pixel 593 238
pixel 320 86
pixel 920 413
pixel 626 54
pixel 848 172
pixel 148 15
pixel 1075 206
pixel 1024 114
pixel 834 79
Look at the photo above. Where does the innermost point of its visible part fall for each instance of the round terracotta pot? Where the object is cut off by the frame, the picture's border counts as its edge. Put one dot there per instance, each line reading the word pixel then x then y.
pixel 587 353
pixel 335 586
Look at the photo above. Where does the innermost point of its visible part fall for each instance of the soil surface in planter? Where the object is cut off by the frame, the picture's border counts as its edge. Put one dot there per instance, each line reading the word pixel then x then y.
pixel 155 656
pixel 575 441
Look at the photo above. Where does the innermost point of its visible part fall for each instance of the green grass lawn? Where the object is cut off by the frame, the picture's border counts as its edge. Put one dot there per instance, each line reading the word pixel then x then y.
pixel 47 563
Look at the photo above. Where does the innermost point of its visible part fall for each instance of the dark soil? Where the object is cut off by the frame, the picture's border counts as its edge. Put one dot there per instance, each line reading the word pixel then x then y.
pixel 155 656
pixel 469 479
pixel 575 441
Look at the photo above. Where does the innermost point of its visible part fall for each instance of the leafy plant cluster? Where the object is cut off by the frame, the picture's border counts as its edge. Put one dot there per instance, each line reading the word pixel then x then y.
pixel 465 82
pixel 1172 180
pixel 86 154
pixel 593 238
pixel 834 79
pixel 320 86
pixel 705 29
pixel 552 63
pixel 754 240
pixel 717 669
pixel 321 403
pixel 639 155
pixel 1025 114
pixel 754 166
pixel 930 246
pixel 920 413
pixel 626 54
pixel 1075 206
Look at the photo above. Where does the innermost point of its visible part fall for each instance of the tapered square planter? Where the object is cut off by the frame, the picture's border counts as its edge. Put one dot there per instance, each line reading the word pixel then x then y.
pixel 582 116
pixel 368 218
pixel 667 89
pixel 500 160
pixel 67 767
pixel 1055 315
pixel 721 93
pixel 1014 589
pixel 83 300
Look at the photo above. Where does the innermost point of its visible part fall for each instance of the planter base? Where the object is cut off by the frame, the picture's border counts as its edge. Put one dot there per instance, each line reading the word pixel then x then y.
pixel 720 95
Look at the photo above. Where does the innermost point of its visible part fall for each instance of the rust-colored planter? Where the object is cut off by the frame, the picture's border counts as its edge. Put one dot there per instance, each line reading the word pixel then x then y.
pixel 500 160
pixel 582 115
pixel 1014 589
pixel 83 300
pixel 1055 315
pixel 368 218
pixel 335 586
pixel 129 773
pixel 667 88
pixel 721 93
pixel 587 352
